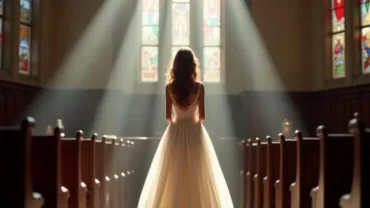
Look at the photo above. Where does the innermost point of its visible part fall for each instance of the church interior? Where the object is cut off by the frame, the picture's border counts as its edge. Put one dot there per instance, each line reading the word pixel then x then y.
pixel 82 99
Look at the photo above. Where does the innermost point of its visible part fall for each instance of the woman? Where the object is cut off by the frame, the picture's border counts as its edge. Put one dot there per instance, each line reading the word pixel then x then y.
pixel 185 172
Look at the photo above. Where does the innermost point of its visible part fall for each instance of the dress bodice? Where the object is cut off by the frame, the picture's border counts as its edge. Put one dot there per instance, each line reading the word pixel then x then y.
pixel 189 113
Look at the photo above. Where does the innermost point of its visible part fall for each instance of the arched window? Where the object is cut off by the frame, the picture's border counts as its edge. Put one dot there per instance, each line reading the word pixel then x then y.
pixel 1 31
pixel 338 38
pixel 365 37
pixel 182 25
pixel 212 41
pixel 25 37
pixel 150 41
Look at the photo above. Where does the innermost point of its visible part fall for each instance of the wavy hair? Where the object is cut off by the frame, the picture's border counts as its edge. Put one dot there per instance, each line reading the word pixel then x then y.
pixel 182 73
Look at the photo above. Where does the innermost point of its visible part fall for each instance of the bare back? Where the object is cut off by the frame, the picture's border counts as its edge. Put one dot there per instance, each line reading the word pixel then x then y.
pixel 195 98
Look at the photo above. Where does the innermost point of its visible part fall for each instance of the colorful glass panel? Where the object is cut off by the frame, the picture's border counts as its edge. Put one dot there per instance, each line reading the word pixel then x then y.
pixel 212 36
pixel 150 35
pixel 212 64
pixel 149 64
pixel 1 42
pixel 365 42
pixel 212 22
pixel 25 11
pixel 338 15
pixel 181 24
pixel 338 57
pixel 150 12
pixel 24 49
pixel 212 13
pixel 365 13
pixel 336 4
pixel 1 7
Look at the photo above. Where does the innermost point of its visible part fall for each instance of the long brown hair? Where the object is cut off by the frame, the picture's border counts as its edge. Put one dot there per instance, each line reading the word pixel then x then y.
pixel 182 74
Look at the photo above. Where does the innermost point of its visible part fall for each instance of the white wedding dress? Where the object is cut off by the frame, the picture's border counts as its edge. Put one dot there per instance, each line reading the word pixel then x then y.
pixel 185 171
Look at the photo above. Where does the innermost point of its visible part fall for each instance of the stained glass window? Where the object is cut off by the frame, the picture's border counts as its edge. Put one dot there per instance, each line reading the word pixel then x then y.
pixel 25 37
pixel 1 31
pixel 365 38
pixel 338 38
pixel 212 40
pixel 150 41
pixel 181 24
pixel 149 67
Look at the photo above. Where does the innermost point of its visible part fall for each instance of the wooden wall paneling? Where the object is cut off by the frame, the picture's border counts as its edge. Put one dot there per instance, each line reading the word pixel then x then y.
pixel 332 108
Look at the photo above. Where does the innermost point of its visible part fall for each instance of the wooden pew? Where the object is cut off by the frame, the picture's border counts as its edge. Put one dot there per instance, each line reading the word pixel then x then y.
pixel 336 162
pixel 287 171
pixel 244 148
pixel 120 164
pixel 46 169
pixel 88 171
pixel 115 172
pixel 360 190
pixel 71 170
pixel 101 172
pixel 307 172
pixel 123 166
pixel 134 166
pixel 272 172
pixel 261 153
pixel 109 174
pixel 252 168
pixel 16 177
pixel 130 174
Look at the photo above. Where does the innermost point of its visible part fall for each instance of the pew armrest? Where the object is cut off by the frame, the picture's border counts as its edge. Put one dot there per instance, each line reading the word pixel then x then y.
pixel 83 194
pixel 96 192
pixel 255 176
pixel 294 195
pixel 292 187
pixel 264 179
pixel 37 200
pixel 63 197
pixel 279 201
pixel 345 201
pixel 277 183
pixel 266 189
pixel 314 194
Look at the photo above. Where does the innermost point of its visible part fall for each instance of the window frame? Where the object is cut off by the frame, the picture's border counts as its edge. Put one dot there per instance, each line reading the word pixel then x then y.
pixel 34 77
pixel 30 26
pixel 333 34
pixel 358 77
pixel 197 45
pixel 6 70
pixel 329 80
pixel 2 17
pixel 221 46
pixel 142 45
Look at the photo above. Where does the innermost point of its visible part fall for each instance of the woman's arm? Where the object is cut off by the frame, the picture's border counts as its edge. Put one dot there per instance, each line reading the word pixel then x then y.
pixel 168 105
pixel 202 114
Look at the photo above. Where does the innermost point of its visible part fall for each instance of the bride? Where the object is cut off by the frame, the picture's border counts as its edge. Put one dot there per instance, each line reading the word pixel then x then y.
pixel 185 172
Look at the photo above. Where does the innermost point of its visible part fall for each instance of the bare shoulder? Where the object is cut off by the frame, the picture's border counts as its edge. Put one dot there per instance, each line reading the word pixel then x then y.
pixel 168 86
pixel 200 87
pixel 199 84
